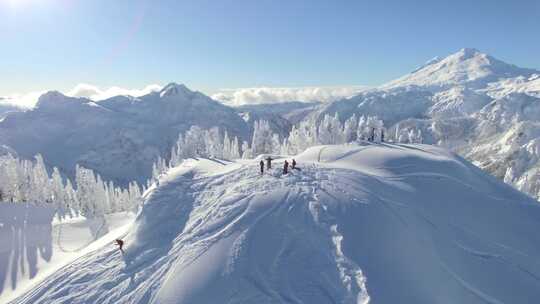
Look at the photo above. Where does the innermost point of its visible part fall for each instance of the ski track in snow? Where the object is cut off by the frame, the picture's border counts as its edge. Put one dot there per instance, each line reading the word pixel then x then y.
pixel 202 231
pixel 309 237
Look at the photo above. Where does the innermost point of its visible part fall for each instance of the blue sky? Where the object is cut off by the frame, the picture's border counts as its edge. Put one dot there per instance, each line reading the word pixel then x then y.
pixel 208 45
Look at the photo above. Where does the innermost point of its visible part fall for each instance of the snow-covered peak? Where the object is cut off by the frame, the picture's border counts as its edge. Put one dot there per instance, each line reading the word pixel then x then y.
pixel 51 95
pixel 467 67
pixel 174 89
pixel 469 53
pixel 56 99
pixel 117 136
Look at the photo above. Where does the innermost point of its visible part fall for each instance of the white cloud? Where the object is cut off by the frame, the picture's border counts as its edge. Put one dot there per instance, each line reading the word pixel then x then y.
pixel 262 95
pixel 27 100
pixel 95 93
pixel 233 97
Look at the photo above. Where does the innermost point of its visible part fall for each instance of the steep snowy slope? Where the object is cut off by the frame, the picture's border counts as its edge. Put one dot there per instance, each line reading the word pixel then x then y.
pixel 359 223
pixel 120 137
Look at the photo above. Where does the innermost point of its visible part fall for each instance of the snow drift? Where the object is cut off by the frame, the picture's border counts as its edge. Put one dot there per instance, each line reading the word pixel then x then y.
pixel 376 223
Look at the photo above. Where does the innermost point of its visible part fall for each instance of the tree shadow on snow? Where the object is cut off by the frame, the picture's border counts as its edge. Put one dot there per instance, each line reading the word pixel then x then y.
pixel 25 235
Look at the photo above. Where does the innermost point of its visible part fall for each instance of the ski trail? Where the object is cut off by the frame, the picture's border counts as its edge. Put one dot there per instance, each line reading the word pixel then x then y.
pixel 351 274
pixel 341 231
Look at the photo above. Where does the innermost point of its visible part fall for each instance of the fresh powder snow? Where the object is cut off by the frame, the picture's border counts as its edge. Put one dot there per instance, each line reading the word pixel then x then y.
pixel 36 244
pixel 358 223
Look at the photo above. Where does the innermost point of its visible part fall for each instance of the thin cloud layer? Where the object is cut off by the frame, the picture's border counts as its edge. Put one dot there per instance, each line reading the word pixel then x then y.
pixel 232 97
pixel 93 92
pixel 242 96
pixel 25 101
pixel 97 94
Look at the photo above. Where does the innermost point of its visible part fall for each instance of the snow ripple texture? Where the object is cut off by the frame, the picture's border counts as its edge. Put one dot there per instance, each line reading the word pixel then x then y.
pixel 375 223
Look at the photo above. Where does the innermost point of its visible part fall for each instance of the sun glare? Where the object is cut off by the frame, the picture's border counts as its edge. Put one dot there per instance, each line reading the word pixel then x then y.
pixel 15 3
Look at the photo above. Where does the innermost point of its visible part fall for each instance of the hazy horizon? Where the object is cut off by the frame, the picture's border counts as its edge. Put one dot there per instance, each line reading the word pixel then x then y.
pixel 209 46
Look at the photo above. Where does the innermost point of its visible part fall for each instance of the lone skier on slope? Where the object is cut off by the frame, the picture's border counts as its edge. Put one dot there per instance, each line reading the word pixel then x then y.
pixel 268 163
pixel 286 167
pixel 120 244
pixel 262 166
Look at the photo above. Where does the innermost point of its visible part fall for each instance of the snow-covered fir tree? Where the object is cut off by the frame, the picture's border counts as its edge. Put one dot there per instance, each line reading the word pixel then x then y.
pixel 27 181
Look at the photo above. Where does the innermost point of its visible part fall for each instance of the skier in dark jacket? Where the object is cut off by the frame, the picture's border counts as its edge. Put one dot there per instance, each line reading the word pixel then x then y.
pixel 293 164
pixel 262 166
pixel 268 163
pixel 120 244
pixel 286 167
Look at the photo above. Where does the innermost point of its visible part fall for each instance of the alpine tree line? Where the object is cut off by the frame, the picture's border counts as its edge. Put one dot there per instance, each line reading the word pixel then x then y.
pixel 90 196
pixel 213 143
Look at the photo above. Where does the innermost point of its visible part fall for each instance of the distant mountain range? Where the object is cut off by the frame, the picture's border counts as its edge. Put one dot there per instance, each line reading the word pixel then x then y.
pixel 470 102
pixel 119 137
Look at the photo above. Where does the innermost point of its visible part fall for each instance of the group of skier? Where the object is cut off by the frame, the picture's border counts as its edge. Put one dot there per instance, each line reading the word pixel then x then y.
pixel 269 165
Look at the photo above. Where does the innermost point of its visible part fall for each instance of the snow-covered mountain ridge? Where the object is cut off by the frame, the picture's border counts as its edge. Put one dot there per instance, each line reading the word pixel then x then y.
pixel 377 223
pixel 468 67
pixel 118 137
pixel 470 102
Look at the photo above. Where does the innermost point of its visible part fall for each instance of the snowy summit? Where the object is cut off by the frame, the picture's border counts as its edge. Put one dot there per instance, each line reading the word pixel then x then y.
pixel 358 223
pixel 468 67
pixel 173 89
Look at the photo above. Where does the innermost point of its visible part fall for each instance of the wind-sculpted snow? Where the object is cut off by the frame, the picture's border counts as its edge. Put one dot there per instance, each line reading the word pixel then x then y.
pixel 358 223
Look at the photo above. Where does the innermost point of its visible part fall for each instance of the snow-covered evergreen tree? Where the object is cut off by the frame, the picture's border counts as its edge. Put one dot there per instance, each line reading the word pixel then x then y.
pixel 246 150
pixel 349 129
pixel 26 181
pixel 264 141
